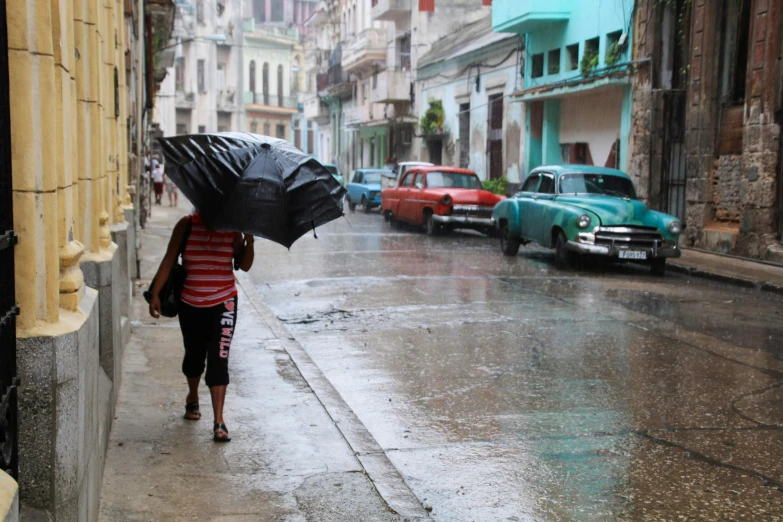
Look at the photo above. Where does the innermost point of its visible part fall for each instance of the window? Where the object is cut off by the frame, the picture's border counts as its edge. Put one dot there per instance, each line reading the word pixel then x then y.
pixel 202 129
pixel 419 180
pixel 404 52
pixel 200 11
pixel 277 11
pixel 734 51
pixel 613 49
pixel 254 127
pixel 281 132
pixel 182 129
pixel 252 80
pixel 590 57
pixel 530 183
pixel 464 135
pixel 179 71
pixel 572 57
pixel 221 77
pixel 547 185
pixel 554 61
pixel 279 85
pixel 267 129
pixel 357 177
pixel 200 76
pixel 453 180
pixel 259 10
pixel 265 83
pixel 407 181
pixel 537 65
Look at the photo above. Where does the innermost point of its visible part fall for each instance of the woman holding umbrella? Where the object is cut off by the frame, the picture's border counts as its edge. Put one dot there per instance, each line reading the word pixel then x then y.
pixel 208 307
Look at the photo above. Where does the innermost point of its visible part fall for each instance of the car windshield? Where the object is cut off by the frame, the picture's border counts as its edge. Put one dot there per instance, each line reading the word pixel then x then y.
pixel 332 170
pixel 372 178
pixel 604 184
pixel 452 180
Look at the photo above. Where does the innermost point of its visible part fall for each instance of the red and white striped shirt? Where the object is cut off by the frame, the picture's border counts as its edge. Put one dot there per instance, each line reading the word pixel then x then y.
pixel 209 262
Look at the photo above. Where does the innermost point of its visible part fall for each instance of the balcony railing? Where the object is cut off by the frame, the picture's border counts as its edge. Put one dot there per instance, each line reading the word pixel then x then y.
pixel 365 113
pixel 365 50
pixel 391 86
pixel 226 101
pixel 390 10
pixel 185 100
pixel 271 100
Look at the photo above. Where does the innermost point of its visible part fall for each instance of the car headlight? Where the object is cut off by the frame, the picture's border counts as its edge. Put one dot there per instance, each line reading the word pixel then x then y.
pixel 675 227
pixel 583 221
pixel 446 200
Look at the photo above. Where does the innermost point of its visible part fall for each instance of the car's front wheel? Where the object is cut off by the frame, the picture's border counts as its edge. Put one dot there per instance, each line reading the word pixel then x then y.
pixel 366 205
pixel 351 205
pixel 563 256
pixel 508 245
pixel 658 266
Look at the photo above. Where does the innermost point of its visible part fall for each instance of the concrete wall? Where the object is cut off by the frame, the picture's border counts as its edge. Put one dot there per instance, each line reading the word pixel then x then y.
pixel 594 118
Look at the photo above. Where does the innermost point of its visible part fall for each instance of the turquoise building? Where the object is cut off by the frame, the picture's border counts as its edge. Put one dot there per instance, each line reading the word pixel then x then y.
pixel 576 78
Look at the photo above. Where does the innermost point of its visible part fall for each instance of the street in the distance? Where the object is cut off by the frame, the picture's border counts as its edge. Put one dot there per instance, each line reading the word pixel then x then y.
pixel 503 389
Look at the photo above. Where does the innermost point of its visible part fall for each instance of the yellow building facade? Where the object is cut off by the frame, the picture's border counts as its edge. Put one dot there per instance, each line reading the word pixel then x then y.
pixel 71 110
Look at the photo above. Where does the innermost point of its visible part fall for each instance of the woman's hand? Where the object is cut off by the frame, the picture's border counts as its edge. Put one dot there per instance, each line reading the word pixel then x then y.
pixel 155 306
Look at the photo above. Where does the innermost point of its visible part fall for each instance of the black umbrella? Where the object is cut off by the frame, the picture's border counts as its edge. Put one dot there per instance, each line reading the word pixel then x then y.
pixel 253 184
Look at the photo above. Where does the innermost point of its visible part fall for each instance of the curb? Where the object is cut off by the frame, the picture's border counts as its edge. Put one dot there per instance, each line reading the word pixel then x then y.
pixel 721 278
pixel 385 477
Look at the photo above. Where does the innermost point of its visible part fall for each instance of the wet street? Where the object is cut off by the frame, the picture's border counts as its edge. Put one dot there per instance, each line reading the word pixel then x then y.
pixel 503 389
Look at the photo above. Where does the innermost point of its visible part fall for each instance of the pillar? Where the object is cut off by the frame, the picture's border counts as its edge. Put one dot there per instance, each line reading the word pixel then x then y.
pixel 551 135
pixel 32 90
pixel 71 282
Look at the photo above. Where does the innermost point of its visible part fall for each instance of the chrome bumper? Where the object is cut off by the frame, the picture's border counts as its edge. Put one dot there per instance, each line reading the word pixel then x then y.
pixel 603 250
pixel 465 220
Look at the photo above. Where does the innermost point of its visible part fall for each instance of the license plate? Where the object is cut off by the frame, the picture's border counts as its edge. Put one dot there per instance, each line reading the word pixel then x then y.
pixel 633 254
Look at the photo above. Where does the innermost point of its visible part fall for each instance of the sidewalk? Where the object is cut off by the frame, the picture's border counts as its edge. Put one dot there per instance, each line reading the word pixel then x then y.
pixel 288 460
pixel 729 270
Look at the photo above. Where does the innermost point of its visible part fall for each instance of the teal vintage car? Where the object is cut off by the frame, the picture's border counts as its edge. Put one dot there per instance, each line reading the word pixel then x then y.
pixel 579 209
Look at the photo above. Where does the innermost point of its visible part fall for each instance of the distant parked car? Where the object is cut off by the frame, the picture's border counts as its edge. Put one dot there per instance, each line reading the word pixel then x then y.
pixel 365 189
pixel 577 209
pixel 335 172
pixel 440 198
pixel 400 169
pixel 332 168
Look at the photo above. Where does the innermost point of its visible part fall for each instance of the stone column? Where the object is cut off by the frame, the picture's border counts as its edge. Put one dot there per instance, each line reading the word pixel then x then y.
pixel 70 251
pixel 32 90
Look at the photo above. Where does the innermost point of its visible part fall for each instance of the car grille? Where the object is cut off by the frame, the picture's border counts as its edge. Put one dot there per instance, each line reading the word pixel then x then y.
pixel 472 210
pixel 629 237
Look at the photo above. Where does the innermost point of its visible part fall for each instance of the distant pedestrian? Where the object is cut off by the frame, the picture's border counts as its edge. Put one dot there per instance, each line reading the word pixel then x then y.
pixel 171 190
pixel 208 308
pixel 157 183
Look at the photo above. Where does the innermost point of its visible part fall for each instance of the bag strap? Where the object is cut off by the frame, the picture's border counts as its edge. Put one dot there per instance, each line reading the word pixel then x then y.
pixel 184 244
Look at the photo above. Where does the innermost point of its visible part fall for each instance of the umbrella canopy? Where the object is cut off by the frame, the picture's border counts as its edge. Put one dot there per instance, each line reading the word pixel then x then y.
pixel 253 184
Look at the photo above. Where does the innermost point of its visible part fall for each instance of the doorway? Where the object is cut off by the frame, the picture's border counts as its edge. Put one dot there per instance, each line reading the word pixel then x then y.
pixel 495 136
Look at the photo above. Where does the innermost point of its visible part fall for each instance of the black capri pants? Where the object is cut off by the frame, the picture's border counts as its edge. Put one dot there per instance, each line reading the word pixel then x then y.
pixel 207 334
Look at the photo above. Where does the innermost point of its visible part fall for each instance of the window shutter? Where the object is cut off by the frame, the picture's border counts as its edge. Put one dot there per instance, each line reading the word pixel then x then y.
pixel 427 6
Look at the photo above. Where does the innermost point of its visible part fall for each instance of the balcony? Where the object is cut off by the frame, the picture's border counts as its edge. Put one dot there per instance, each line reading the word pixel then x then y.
pixel 321 82
pixel 390 10
pixel 338 82
pixel 260 102
pixel 365 51
pixel 226 101
pixel 391 86
pixel 526 16
pixel 316 110
pixel 185 100
pixel 365 114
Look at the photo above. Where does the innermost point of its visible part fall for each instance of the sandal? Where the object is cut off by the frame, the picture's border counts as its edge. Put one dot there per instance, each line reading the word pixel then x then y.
pixel 192 411
pixel 220 429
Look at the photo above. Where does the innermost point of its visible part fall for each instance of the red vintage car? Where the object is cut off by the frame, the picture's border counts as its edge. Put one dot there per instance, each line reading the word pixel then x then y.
pixel 440 198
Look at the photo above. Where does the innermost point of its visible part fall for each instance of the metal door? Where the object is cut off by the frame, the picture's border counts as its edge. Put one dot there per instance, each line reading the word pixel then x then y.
pixel 495 136
pixel 8 308
pixel 673 176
